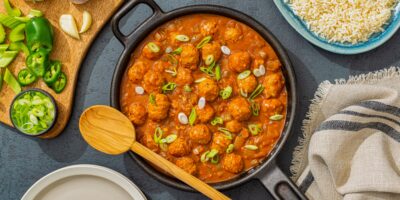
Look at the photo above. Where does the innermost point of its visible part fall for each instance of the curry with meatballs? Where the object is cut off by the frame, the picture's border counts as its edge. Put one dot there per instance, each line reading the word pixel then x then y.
pixel 207 93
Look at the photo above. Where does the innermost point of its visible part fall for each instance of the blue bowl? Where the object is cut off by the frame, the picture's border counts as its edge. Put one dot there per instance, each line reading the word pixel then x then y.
pixel 341 48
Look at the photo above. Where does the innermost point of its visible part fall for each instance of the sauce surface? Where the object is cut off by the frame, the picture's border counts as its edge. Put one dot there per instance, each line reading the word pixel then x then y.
pixel 207 93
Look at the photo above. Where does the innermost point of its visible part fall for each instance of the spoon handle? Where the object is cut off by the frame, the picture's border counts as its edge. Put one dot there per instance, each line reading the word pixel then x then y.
pixel 177 172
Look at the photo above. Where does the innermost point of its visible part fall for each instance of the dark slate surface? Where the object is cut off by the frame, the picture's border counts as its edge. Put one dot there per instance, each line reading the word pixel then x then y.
pixel 23 160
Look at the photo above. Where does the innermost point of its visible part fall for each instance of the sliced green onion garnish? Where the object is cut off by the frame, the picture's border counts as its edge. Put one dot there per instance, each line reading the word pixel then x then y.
pixel 207 71
pixel 158 133
pixel 230 148
pixel 209 59
pixel 170 138
pixel 243 93
pixel 33 118
pixel 173 72
pixel 217 120
pixel 212 153
pixel 276 117
pixel 200 80
pixel 204 41
pixel 256 92
pixel 152 99
pixel 177 51
pixel 226 132
pixel 187 88
pixel 244 74
pixel 226 92
pixel 218 72
pixel 254 129
pixel 153 47
pixel 168 87
pixel 204 157
pixel 192 117
pixel 163 146
pixel 172 59
pixel 215 159
pixel 182 38
pixel 251 147
pixel 255 108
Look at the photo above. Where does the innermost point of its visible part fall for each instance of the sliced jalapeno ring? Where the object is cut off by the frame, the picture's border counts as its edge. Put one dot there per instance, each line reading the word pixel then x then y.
pixel 52 74
pixel 26 77
pixel 60 83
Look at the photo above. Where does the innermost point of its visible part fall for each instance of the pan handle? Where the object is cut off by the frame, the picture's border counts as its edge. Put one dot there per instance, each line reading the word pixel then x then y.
pixel 128 6
pixel 278 184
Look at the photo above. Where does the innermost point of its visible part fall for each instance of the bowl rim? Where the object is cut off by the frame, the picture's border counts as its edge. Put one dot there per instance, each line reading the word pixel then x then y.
pixel 52 101
pixel 370 44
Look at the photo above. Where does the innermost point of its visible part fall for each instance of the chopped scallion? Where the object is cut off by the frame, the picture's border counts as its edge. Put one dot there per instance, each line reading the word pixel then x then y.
pixel 251 147
pixel 226 92
pixel 230 148
pixel 217 120
pixel 256 92
pixel 254 129
pixel 226 132
pixel 158 133
pixel 244 74
pixel 182 38
pixel 168 87
pixel 153 47
pixel 218 72
pixel 204 41
pixel 276 117
pixel 192 116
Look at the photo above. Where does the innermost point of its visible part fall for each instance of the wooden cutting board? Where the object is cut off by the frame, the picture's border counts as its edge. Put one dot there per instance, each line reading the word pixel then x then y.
pixel 70 51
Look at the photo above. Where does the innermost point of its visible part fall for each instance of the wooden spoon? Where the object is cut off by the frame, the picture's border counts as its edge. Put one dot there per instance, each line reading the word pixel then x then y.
pixel 108 130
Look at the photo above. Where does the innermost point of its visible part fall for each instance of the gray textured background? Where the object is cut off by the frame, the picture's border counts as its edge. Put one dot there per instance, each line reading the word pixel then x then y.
pixel 23 160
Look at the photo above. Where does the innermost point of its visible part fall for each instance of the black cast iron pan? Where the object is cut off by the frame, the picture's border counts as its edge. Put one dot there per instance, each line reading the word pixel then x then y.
pixel 277 183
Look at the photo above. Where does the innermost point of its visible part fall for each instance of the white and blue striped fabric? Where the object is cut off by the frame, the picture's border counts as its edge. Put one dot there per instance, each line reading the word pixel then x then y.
pixel 350 147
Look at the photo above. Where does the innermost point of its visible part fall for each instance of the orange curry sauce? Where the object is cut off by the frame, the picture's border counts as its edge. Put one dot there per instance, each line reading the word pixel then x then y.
pixel 153 66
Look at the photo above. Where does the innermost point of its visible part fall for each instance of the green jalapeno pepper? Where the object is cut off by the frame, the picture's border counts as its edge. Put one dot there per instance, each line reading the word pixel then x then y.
pixel 26 77
pixel 38 62
pixel 59 85
pixel 39 34
pixel 52 73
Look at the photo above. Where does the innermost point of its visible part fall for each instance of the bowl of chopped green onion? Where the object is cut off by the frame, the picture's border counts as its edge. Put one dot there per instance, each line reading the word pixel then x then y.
pixel 33 112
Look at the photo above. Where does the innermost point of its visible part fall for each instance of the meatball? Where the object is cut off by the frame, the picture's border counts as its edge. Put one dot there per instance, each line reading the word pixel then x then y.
pixel 158 109
pixel 220 142
pixel 187 164
pixel 137 113
pixel 233 34
pixel 239 61
pixel 189 56
pixel 204 115
pixel 148 53
pixel 213 48
pixel 179 148
pixel 248 84
pixel 148 141
pixel 208 89
pixel 273 84
pixel 208 27
pixel 136 71
pixel 232 163
pixel 183 103
pixel 273 65
pixel 184 76
pixel 200 134
pixel 234 126
pixel 239 109
pixel 153 81
pixel 272 106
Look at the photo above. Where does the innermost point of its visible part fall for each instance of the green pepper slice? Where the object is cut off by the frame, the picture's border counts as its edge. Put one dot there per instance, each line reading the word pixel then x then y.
pixel 39 34
pixel 26 77
pixel 52 74
pixel 60 83
pixel 38 62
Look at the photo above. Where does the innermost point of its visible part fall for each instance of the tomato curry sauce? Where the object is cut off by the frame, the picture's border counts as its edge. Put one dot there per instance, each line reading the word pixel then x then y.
pixel 207 93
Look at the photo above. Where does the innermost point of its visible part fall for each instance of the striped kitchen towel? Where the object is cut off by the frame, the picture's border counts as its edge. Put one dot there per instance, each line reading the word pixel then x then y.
pixel 350 147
